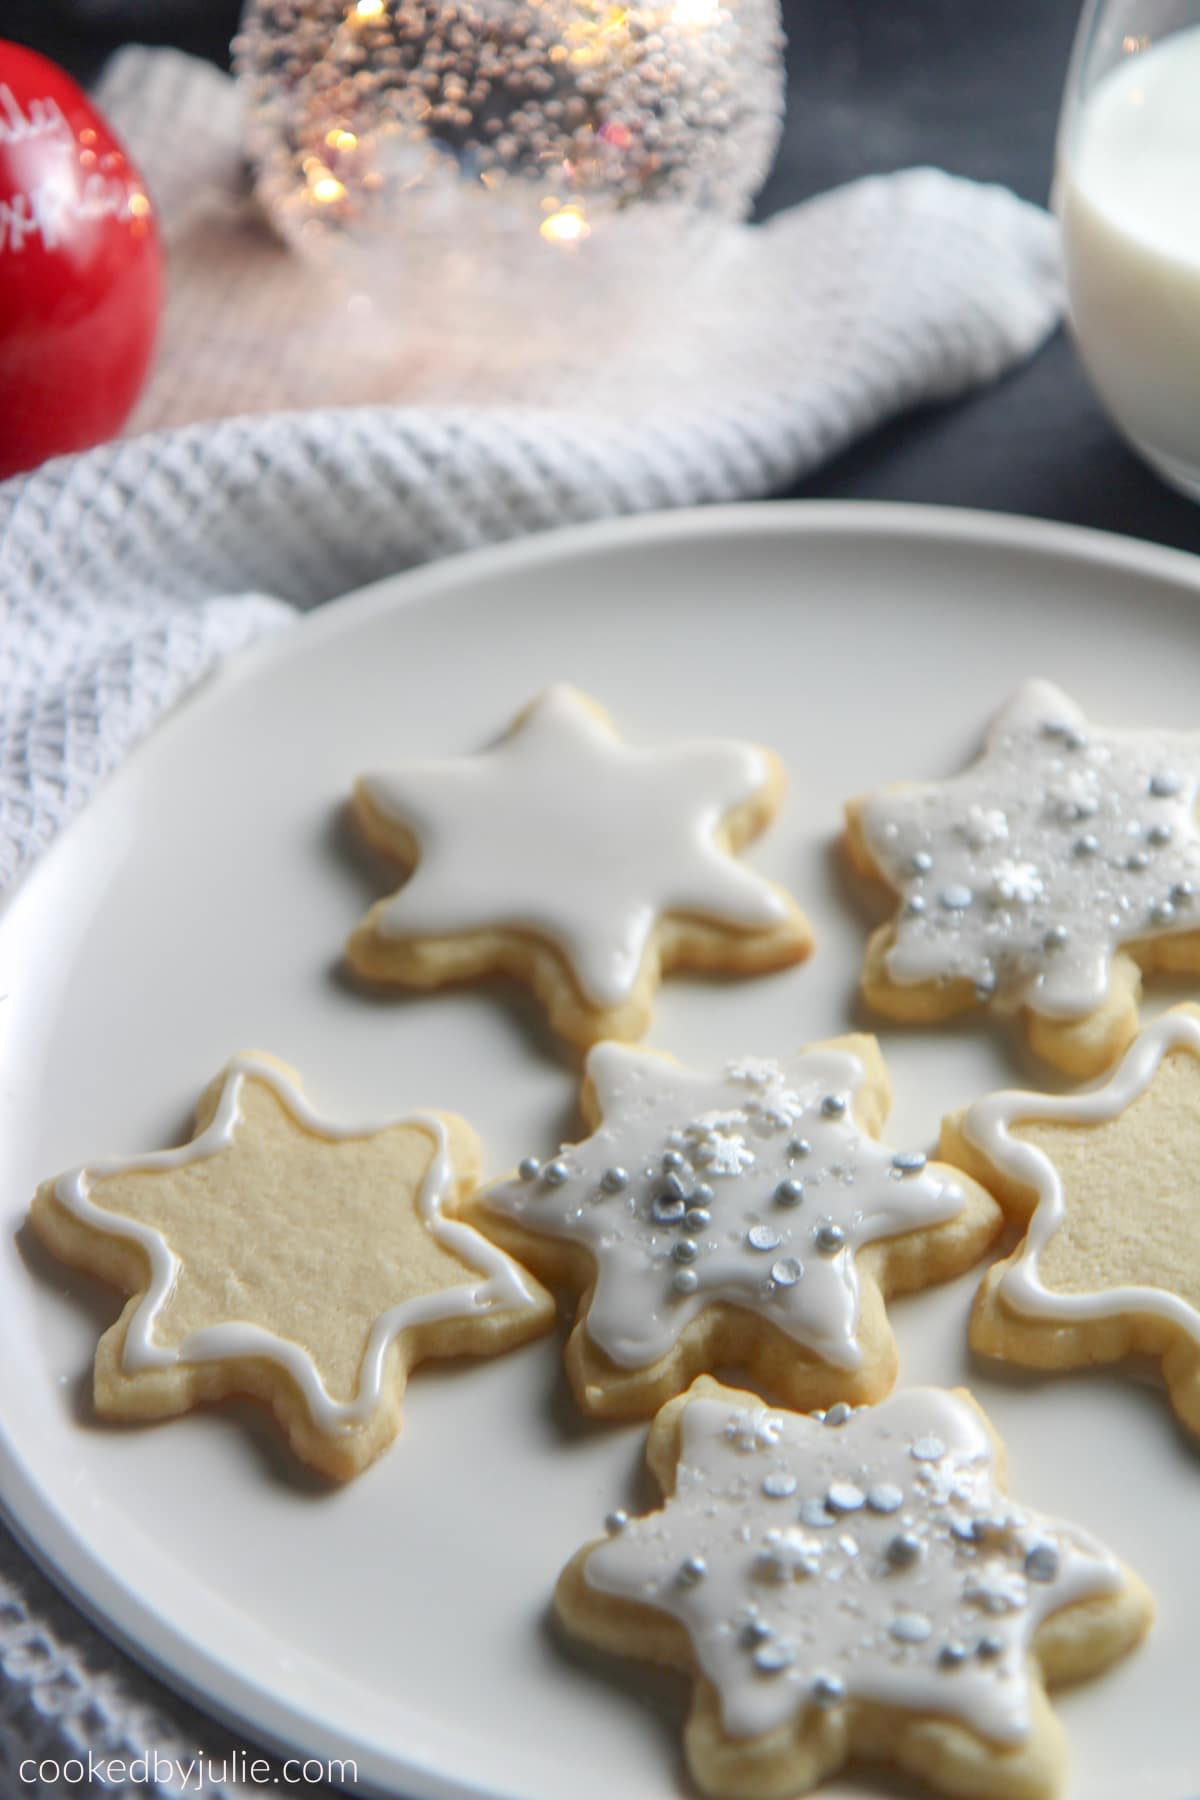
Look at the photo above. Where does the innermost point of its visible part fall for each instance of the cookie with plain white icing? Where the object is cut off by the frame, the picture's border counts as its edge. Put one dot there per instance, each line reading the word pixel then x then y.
pixel 853 1586
pixel 1044 879
pixel 307 1265
pixel 576 863
pixel 1106 1189
pixel 748 1217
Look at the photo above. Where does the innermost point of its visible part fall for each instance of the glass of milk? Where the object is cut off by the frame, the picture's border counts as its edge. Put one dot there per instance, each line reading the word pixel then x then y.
pixel 1127 189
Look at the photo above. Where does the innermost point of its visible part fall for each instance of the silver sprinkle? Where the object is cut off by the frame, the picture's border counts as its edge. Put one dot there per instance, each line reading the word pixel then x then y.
pixel 909 1162
pixel 956 897
pixel 910 1628
pixel 833 1106
pixel 616 1521
pixel 702 1194
pixel 952 1656
pixel 903 1550
pixel 529 1168
pixel 1137 861
pixel 684 1251
pixel 1161 913
pixel 773 1656
pixel 1075 740
pixel 915 905
pixel 753 1632
pixel 838 1413
pixel 1087 845
pixel 1055 728
pixel 779 1485
pixel 985 987
pixel 799 1147
pixel 667 1209
pixel 1041 1562
pixel 787 1271
pixel 671 1159
pixel 928 1449
pixel 921 862
pixel 884 1498
pixel 844 1497
pixel 555 1173
pixel 675 1187
pixel 761 1237
pixel 1158 835
pixel 614 1179
pixel 814 1514
pixel 989 1647
pixel 1182 892
pixel 686 1281
pixel 827 1690
pixel 829 1239
pixel 692 1570
pixel 790 1192
pixel 1165 783
pixel 1055 938
pixel 697 1217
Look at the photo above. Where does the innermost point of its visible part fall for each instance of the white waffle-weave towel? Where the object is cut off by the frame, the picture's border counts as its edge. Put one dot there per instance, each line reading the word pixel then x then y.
pixel 126 572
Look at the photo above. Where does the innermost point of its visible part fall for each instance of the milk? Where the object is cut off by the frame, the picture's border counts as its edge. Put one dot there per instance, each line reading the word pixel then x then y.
pixel 1128 193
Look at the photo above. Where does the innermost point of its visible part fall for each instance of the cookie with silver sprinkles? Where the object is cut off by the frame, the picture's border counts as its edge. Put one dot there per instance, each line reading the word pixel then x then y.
pixel 576 863
pixel 1045 879
pixel 854 1585
pixel 747 1217
pixel 1105 1188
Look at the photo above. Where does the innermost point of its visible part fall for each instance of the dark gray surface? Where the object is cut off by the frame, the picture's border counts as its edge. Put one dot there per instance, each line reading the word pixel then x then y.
pixel 872 84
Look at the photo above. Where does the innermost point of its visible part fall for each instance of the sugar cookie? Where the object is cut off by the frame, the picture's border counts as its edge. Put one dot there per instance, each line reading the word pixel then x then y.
pixel 1107 1188
pixel 854 1589
pixel 578 864
pixel 748 1217
pixel 308 1265
pixel 1045 878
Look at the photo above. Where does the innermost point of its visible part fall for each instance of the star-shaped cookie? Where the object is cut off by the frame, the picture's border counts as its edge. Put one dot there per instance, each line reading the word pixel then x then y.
pixel 578 864
pixel 1045 878
pixel 853 1585
pixel 1107 1188
pixel 748 1217
pixel 305 1264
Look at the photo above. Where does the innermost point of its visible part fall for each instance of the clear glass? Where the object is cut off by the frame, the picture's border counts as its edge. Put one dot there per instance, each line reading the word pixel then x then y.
pixel 1127 189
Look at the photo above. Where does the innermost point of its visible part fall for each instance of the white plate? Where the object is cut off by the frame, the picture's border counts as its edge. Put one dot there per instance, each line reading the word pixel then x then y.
pixel 198 909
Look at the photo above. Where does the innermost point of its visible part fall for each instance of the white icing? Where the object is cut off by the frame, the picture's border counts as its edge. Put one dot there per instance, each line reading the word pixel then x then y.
pixel 503 1285
pixel 989 1124
pixel 739 1134
pixel 784 1613
pixel 563 831
pixel 1060 844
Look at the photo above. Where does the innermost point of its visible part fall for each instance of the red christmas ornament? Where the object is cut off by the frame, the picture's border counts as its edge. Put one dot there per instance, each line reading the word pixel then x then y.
pixel 80 268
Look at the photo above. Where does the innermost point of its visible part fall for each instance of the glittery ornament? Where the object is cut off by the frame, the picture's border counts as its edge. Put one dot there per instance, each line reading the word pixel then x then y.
pixel 480 148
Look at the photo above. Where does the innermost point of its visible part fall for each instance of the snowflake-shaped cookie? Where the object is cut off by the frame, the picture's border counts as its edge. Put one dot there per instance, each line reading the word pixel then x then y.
pixel 853 1583
pixel 748 1217
pixel 1066 860
pixel 577 863
pixel 1107 1188
pixel 306 1264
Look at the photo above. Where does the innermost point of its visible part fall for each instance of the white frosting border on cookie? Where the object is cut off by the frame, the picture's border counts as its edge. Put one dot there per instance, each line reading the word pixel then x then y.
pixel 988 1125
pixel 502 1286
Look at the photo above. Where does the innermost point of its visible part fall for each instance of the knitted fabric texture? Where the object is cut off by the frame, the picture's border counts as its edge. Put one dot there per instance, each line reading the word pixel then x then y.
pixel 127 572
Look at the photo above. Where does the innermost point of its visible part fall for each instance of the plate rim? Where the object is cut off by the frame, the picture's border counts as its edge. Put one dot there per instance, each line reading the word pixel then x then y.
pixel 129 1619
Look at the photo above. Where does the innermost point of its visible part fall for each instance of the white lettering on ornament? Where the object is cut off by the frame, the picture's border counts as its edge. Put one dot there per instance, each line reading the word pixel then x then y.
pixel 48 210
pixel 44 119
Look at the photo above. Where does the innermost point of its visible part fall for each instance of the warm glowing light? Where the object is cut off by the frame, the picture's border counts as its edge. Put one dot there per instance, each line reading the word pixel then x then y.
pixel 695 13
pixel 327 189
pixel 369 9
pixel 341 140
pixel 1132 46
pixel 139 205
pixel 565 227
